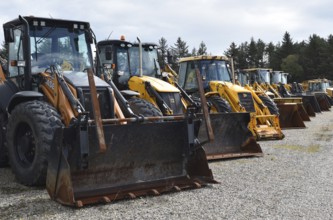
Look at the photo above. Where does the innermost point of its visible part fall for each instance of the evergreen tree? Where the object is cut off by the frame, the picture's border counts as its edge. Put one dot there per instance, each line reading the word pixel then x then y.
pixel 194 52
pixel 233 51
pixel 287 46
pixel 252 57
pixel 202 49
pixel 180 48
pixel 163 51
pixel 260 58
pixel 273 58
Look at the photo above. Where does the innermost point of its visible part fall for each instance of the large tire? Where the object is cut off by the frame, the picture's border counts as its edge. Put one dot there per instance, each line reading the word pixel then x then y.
pixel 30 131
pixel 219 104
pixel 142 107
pixel 3 150
pixel 272 107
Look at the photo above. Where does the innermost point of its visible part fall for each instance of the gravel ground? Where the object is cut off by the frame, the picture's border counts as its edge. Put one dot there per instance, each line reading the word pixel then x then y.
pixel 294 180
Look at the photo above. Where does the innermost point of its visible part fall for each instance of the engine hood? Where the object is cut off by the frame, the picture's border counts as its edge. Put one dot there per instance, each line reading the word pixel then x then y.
pixel 231 86
pixel 158 84
pixel 80 79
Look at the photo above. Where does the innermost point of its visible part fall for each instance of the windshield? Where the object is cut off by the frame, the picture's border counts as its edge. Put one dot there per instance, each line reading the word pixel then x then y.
pixel 215 70
pixel 59 46
pixel 211 70
pixel 264 76
pixel 318 86
pixel 150 65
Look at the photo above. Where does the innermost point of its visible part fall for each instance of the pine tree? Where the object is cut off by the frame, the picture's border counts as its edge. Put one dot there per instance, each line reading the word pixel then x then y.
pixel 163 51
pixel 202 49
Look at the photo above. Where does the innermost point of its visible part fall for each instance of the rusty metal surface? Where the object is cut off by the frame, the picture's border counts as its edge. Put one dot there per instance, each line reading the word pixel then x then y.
pixel 140 159
pixel 204 107
pixel 289 116
pixel 298 101
pixel 322 101
pixel 232 137
pixel 96 111
pixel 311 104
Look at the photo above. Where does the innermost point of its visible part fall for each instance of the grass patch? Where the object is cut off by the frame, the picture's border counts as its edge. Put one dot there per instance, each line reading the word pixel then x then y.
pixel 308 149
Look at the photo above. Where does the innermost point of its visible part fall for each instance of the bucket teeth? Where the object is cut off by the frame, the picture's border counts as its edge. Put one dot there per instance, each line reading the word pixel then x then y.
pixel 154 192
pixel 197 184
pixel 131 195
pixel 176 188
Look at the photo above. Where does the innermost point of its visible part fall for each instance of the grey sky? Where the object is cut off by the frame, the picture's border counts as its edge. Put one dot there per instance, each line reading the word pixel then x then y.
pixel 216 22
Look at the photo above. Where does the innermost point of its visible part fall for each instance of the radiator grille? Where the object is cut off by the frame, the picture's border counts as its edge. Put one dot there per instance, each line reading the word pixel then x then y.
pixel 246 101
pixel 173 100
pixel 105 103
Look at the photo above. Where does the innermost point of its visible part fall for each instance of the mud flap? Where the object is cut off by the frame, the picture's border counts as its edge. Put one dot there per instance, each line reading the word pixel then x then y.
pixel 140 159
pixel 232 137
pixel 289 116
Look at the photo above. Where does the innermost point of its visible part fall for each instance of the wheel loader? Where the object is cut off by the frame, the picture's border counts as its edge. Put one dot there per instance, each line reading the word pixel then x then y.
pixel 321 89
pixel 291 111
pixel 280 83
pixel 217 80
pixel 62 126
pixel 134 69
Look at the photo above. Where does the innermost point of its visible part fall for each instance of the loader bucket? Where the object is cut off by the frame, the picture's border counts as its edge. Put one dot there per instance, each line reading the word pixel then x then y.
pixel 311 105
pixel 289 116
pixel 140 159
pixel 300 107
pixel 322 101
pixel 232 137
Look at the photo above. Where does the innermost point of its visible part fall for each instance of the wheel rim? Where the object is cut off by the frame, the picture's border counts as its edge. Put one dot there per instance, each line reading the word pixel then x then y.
pixel 24 144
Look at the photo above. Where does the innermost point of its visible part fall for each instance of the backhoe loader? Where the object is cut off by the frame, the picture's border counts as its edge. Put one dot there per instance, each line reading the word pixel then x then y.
pixel 134 69
pixel 64 128
pixel 321 89
pixel 291 111
pixel 217 80
pixel 285 89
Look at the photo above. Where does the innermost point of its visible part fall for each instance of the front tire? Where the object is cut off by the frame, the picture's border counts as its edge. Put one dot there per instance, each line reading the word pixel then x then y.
pixel 219 104
pixel 3 150
pixel 142 107
pixel 30 133
pixel 273 109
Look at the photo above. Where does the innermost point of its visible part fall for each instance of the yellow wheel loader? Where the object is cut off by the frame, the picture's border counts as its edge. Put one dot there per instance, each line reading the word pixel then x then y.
pixel 134 69
pixel 290 110
pixel 61 125
pixel 280 83
pixel 321 89
pixel 217 81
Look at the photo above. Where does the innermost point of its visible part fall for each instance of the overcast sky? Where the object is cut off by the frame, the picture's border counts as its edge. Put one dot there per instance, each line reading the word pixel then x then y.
pixel 217 23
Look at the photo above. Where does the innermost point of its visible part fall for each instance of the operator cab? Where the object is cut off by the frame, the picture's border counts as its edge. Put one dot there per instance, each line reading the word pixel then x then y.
pixel 35 44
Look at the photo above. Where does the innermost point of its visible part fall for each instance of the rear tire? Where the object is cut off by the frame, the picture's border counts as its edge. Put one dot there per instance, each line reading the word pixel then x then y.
pixel 142 107
pixel 30 133
pixel 272 107
pixel 3 150
pixel 219 104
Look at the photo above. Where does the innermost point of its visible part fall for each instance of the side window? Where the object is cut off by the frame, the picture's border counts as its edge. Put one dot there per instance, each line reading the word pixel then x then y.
pixel 191 79
pixel 83 52
pixel 16 53
pixel 182 74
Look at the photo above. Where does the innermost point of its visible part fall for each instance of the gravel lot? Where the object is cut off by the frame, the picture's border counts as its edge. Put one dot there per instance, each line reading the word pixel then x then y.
pixel 294 180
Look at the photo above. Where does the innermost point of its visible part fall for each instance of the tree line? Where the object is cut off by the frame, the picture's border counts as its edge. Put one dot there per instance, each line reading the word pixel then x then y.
pixel 308 59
